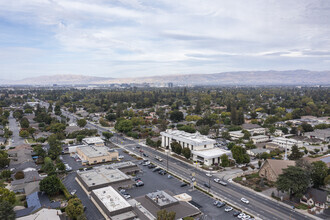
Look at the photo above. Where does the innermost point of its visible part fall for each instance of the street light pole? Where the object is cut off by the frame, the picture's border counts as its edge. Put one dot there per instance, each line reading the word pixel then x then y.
pixel 167 160
pixel 209 181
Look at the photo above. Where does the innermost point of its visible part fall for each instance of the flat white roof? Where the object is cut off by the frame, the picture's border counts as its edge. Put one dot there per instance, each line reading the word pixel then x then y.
pixel 111 199
pixel 211 153
pixel 51 214
pixel 195 138
pixel 93 151
pixel 102 175
pixel 93 140
pixel 259 137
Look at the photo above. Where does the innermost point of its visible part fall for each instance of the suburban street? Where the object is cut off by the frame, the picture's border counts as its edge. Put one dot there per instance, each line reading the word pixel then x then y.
pixel 259 206
pixel 15 138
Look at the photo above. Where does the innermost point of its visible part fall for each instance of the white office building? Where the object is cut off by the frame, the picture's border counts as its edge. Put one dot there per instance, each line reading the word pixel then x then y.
pixel 194 141
pixel 202 147
pixel 259 139
pixel 286 142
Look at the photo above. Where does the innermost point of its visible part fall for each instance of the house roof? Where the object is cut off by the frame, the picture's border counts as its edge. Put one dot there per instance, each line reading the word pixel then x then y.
pixel 317 195
pixel 39 199
pixel 325 159
pixel 30 176
pixel 278 165
pixel 250 126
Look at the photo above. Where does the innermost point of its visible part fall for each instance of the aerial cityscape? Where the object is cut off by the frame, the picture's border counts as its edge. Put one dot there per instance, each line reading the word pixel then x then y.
pixel 164 110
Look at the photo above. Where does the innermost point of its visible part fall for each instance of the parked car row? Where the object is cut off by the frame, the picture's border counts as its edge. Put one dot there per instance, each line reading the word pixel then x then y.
pixel 236 213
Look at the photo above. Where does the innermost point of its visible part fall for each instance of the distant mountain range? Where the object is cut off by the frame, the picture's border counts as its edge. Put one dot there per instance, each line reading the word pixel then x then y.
pixel 271 77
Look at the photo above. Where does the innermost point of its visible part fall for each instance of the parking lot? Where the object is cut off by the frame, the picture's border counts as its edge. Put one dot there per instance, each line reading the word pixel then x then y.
pixel 154 181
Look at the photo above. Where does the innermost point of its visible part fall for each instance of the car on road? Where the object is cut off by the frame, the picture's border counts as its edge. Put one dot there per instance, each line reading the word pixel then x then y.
pixel 183 184
pixel 159 158
pixel 217 180
pixel 145 155
pixel 73 192
pixel 228 209
pixel 207 185
pixel 121 157
pixel 137 146
pixel 245 200
pixel 223 183
pixel 208 174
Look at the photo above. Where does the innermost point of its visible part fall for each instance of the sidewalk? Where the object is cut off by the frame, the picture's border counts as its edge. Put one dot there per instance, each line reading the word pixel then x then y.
pixel 279 202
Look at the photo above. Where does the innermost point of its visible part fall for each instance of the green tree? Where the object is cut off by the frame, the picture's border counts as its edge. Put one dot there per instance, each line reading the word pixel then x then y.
pixel 124 125
pixel 60 166
pixel 50 185
pixel 204 129
pixel 24 133
pixel 24 123
pixel 247 134
pixel 74 208
pixel 240 155
pixel 326 180
pixel 4 160
pixel 107 135
pixel 39 150
pixel 224 160
pixel 293 180
pixel 81 123
pixel 7 211
pixel 164 215
pixel 318 173
pixel 7 195
pixel 295 153
pixel 226 135
pixel 48 166
pixel 176 147
pixel 176 116
pixel 186 152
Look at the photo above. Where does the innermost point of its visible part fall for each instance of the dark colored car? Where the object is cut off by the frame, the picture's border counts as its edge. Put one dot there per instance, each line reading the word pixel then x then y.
pixel 150 166
pixel 145 155
pixel 162 172
pixel 207 185
pixel 156 169
pixel 183 184
pixel 220 204
pixel 236 213
pixel 137 178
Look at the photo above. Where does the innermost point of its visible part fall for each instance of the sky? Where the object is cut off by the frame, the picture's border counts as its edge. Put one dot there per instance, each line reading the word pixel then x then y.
pixel 132 38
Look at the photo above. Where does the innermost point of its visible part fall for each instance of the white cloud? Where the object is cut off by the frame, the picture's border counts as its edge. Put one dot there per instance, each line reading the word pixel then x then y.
pixel 169 36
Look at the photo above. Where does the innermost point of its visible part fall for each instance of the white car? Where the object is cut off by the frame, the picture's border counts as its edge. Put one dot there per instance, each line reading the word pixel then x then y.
pixel 127 196
pixel 245 200
pixel 242 215
pixel 121 157
pixel 223 183
pixel 208 174
pixel 73 192
pixel 228 209
pixel 216 180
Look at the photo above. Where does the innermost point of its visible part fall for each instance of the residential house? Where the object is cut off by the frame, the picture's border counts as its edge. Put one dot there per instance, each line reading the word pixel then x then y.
pixel 271 168
pixel 317 198
pixel 255 152
pixel 322 134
